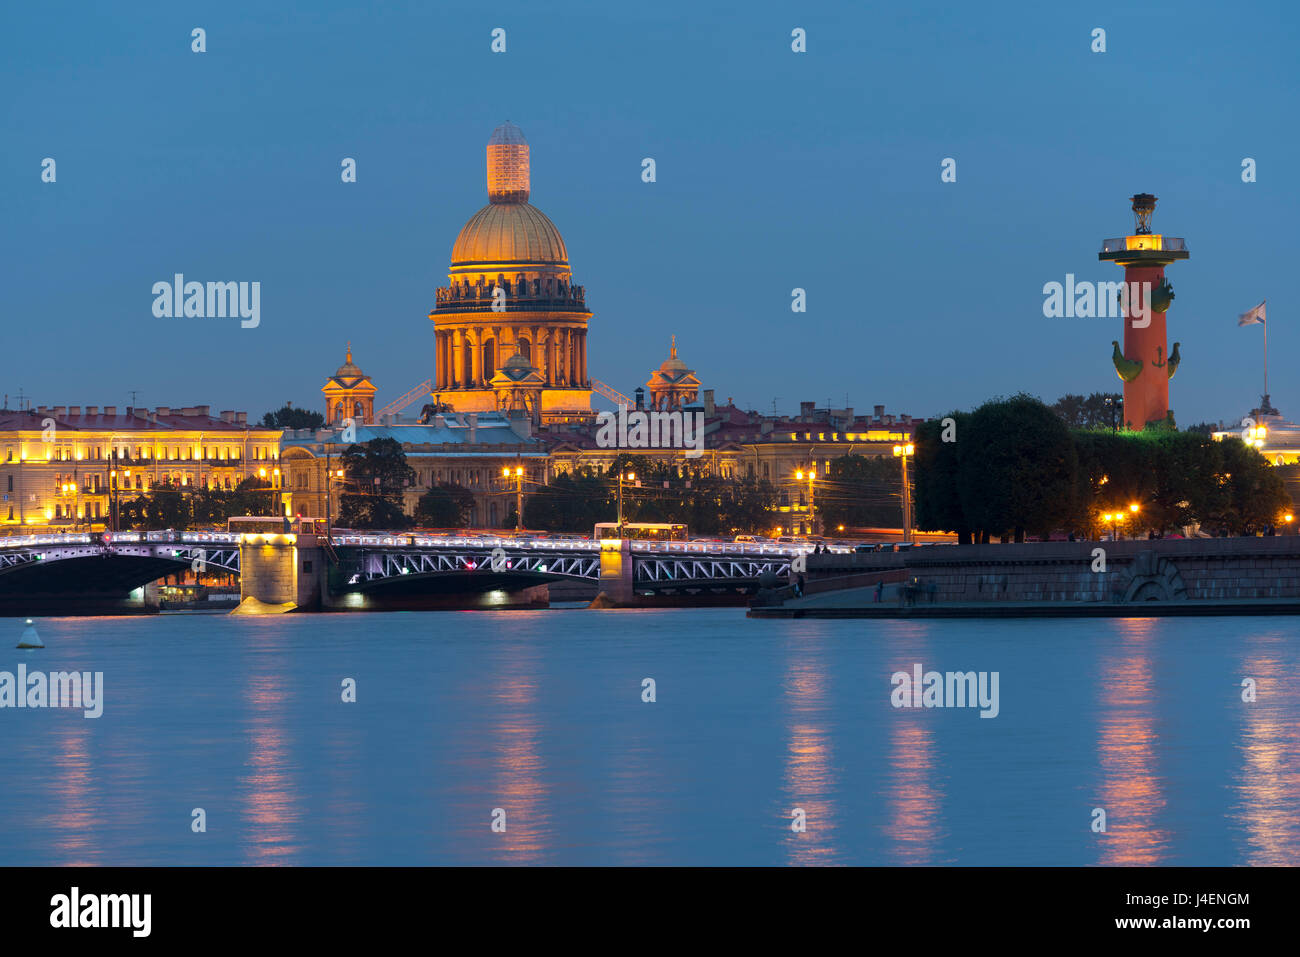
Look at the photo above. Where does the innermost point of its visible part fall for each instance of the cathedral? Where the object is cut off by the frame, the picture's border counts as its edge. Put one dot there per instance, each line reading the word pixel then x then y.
pixel 511 327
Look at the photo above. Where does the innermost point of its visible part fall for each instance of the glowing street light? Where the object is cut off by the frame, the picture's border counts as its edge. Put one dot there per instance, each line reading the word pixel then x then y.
pixel 903 453
pixel 811 475
pixel 622 477
pixel 519 494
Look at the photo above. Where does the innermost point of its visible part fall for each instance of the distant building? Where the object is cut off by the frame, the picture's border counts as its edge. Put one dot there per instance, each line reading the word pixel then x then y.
pixel 463 449
pixel 61 467
pixel 1277 439
pixel 510 293
pixel 349 394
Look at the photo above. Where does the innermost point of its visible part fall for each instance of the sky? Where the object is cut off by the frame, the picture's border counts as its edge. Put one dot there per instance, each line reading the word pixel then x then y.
pixel 775 170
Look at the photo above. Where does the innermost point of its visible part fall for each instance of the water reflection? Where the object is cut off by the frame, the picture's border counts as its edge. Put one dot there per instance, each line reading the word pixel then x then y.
pixel 809 772
pixel 1131 788
pixel 271 802
pixel 520 790
pixel 914 793
pixel 78 831
pixel 1268 786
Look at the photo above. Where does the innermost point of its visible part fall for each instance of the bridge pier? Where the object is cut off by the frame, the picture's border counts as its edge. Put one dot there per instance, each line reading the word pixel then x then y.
pixel 616 584
pixel 280 573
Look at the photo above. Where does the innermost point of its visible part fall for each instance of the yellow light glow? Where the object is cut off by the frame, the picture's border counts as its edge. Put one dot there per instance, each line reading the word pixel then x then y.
pixel 1288 517
pixel 798 475
pixel 1134 507
pixel 505 472
pixel 1148 241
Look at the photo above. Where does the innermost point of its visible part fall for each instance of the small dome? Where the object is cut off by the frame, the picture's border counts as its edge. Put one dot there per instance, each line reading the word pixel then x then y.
pixel 672 363
pixel 349 369
pixel 517 361
pixel 502 233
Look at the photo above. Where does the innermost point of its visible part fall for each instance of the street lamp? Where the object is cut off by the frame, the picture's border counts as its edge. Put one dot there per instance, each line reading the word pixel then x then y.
pixel 811 475
pixel 629 477
pixel 331 476
pixel 903 453
pixel 1113 519
pixel 519 495
pixel 114 493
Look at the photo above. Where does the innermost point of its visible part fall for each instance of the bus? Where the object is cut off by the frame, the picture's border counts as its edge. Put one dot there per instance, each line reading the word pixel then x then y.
pixel 275 525
pixel 641 531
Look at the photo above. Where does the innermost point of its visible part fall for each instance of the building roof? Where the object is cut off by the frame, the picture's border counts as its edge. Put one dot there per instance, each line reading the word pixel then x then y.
pixel 183 419
pixel 491 429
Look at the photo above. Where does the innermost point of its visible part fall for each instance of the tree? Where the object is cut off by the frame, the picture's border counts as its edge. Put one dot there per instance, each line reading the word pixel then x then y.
pixel 936 478
pixel 1016 469
pixel 1093 412
pixel 862 491
pixel 376 476
pixel 287 417
pixel 445 506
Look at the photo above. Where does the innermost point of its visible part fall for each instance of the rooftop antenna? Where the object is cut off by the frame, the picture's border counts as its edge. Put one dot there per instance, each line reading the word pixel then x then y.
pixel 134 393
pixel 774 401
pixel 21 399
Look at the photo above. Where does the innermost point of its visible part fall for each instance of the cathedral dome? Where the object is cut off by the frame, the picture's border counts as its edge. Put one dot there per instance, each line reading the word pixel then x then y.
pixel 501 233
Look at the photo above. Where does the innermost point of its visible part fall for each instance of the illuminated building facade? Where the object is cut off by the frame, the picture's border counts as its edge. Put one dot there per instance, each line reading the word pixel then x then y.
pixel 510 292
pixel 467 450
pixel 672 385
pixel 349 394
pixel 63 466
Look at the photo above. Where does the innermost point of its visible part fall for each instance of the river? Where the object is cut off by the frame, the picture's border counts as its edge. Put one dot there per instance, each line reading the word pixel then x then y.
pixel 536 720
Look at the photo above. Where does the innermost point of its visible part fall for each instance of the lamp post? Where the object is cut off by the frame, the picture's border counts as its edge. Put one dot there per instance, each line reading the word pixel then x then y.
pixel 519 495
pixel 1113 519
pixel 330 477
pixel 630 477
pixel 811 475
pixel 903 453
pixel 114 492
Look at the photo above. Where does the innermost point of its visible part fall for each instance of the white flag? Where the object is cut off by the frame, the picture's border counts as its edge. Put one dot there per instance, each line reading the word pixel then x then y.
pixel 1255 315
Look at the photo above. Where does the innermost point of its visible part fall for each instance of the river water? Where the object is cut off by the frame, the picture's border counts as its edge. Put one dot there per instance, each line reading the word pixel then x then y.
pixel 538 718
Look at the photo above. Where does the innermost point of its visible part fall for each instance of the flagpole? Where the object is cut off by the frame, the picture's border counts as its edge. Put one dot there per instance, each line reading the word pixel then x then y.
pixel 1266 360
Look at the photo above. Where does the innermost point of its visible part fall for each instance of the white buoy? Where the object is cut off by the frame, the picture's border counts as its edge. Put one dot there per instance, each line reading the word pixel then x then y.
pixel 30 639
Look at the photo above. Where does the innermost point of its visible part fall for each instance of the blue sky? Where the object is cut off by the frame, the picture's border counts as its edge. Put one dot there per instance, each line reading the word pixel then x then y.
pixel 775 170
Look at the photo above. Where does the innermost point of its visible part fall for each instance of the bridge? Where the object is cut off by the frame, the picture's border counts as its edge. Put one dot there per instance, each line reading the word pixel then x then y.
pixel 66 573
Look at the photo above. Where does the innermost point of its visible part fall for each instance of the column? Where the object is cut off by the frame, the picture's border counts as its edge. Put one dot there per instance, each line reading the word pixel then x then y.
pixel 476 359
pixel 454 360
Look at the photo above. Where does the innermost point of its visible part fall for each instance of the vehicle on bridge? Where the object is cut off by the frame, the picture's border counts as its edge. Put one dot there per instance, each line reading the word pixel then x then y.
pixel 275 524
pixel 641 531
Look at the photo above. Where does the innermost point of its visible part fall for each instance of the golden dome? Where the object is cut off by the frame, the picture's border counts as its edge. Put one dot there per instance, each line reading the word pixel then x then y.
pixel 502 233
